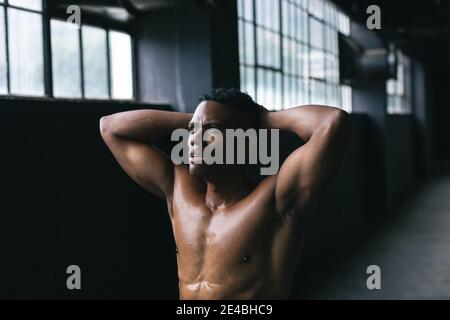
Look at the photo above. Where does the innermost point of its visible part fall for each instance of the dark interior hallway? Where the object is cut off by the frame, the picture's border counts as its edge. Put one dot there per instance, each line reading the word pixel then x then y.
pixel 412 250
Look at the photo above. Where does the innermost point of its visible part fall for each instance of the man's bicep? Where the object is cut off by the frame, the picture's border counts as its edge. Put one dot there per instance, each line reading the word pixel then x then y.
pixel 307 171
pixel 145 164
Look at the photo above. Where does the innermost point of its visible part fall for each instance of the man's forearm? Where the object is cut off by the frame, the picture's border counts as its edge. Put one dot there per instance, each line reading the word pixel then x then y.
pixel 304 120
pixel 144 125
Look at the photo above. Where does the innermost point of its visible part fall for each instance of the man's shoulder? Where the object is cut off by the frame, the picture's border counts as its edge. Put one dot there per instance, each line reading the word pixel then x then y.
pixel 265 189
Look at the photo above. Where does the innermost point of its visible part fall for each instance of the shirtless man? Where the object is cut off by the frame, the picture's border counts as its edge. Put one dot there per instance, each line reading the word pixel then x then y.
pixel 235 239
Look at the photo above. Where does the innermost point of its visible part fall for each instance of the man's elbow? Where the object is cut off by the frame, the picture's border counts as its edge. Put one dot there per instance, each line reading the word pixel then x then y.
pixel 105 125
pixel 340 123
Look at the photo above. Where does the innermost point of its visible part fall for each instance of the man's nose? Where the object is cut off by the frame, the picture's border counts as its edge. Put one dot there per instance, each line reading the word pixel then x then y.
pixel 197 136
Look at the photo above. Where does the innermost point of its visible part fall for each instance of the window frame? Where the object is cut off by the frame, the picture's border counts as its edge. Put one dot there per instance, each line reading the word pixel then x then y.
pixel 5 5
pixel 331 20
pixel 89 20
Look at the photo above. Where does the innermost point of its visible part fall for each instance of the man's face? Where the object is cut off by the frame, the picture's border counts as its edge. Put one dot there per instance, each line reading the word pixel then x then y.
pixel 216 118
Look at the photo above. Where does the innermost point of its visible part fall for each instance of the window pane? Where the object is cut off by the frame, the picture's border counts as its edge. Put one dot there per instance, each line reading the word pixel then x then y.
pixel 303 26
pixel 242 78
pixel 330 95
pixel 347 98
pixel 308 91
pixel 3 70
pixel 298 59
pixel 65 59
pixel 276 46
pixel 267 14
pixel 30 4
pixel 121 65
pixel 286 90
pixel 260 12
pixel 276 15
pixel 249 44
pixel 240 5
pixel 304 60
pixel 390 87
pixel 262 90
pixel 278 98
pixel 270 78
pixel 319 92
pixel 95 63
pixel 313 88
pixel 327 38
pixel 287 57
pixel 241 40
pixel 303 92
pixel 316 8
pixel 267 7
pixel 248 10
pixel 268 48
pixel 285 6
pixel 249 81
pixel 326 15
pixel 317 64
pixel 316 33
pixel 297 24
pixel 329 68
pixel 335 42
pixel 260 46
pixel 292 21
pixel 400 80
pixel 26 52
pixel 344 24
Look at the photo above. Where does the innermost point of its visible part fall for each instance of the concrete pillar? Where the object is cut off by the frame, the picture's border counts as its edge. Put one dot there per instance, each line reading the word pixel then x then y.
pixel 369 97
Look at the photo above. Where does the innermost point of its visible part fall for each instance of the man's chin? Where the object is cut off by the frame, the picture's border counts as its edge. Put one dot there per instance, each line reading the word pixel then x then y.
pixel 198 170
pixel 203 170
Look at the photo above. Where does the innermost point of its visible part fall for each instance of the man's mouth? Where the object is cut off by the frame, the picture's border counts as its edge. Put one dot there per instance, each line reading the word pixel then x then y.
pixel 196 160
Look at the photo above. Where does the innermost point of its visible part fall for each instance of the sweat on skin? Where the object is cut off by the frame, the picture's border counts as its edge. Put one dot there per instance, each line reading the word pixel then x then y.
pixel 213 152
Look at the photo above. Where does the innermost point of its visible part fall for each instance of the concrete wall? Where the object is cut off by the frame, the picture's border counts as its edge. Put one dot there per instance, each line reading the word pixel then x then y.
pixel 185 51
pixel 174 56
pixel 400 153
pixel 422 120
pixel 64 200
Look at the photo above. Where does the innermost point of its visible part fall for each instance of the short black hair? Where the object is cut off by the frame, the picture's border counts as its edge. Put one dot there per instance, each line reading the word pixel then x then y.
pixel 232 97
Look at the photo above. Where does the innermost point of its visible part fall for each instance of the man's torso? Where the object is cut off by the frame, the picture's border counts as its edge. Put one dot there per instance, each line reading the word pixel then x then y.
pixel 245 251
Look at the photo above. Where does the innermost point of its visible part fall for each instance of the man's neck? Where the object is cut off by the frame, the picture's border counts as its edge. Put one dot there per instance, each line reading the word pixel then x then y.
pixel 227 188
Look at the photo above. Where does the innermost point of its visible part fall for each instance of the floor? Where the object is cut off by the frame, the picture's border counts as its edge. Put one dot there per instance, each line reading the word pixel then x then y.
pixel 412 251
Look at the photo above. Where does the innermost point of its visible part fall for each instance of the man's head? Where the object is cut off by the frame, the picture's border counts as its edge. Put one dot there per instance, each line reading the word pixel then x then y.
pixel 222 109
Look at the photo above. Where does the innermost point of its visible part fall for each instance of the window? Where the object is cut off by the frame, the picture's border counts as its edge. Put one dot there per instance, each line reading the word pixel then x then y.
pixel 87 62
pixel 3 63
pixel 288 52
pixel 65 59
pixel 91 62
pixel 121 68
pixel 21 48
pixel 95 65
pixel 397 102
